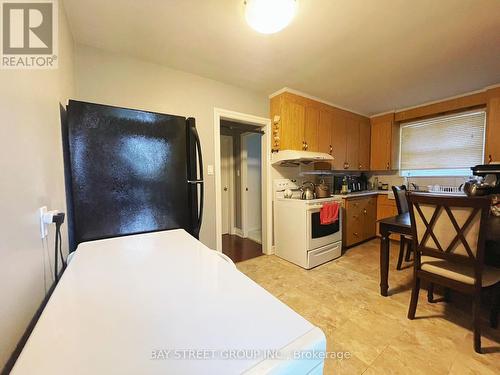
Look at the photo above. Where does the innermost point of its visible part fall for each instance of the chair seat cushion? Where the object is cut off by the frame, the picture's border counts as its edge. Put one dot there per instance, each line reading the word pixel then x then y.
pixel 458 272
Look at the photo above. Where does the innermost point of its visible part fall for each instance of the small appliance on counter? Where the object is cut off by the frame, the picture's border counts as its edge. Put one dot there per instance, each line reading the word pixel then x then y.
pixel 486 182
pixel 355 183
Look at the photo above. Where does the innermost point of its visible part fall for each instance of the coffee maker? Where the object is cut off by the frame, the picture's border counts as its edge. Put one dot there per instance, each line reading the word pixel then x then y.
pixel 355 183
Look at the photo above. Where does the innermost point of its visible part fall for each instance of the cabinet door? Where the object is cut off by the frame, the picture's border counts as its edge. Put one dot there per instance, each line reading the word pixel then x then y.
pixel 339 140
pixel 292 125
pixel 380 153
pixel 352 144
pixel 311 131
pixel 493 126
pixel 370 218
pixel 353 230
pixel 325 131
pixel 364 145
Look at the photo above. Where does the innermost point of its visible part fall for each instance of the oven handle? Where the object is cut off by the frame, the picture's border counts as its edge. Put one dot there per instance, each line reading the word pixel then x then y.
pixel 317 206
pixel 314 207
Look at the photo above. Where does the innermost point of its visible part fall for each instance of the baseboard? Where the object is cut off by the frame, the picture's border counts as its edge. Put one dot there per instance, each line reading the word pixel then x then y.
pixel 238 232
pixel 254 238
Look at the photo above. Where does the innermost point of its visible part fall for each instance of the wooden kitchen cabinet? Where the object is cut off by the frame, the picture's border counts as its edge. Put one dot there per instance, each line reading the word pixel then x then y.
pixel 292 125
pixel 364 144
pixel 386 208
pixel 352 144
pixel 384 152
pixel 311 128
pixel 359 219
pixel 300 123
pixel 295 123
pixel 339 141
pixel 325 131
pixel 492 146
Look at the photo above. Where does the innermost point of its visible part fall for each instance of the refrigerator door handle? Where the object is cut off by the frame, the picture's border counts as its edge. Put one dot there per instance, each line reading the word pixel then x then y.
pixel 200 180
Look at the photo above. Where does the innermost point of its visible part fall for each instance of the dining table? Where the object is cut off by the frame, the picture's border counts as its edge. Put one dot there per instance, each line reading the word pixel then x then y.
pixel 401 224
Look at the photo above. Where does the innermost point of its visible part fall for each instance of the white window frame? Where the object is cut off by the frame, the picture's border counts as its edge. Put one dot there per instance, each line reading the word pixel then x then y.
pixel 448 172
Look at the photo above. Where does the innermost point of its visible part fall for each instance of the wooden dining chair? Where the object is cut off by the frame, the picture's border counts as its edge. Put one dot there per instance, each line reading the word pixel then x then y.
pixel 405 242
pixel 449 243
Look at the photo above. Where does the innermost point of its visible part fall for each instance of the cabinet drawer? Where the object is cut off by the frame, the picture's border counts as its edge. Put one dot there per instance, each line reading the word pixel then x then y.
pixel 324 254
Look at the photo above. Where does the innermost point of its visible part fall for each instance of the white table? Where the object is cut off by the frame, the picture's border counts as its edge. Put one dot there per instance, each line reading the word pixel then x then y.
pixel 123 301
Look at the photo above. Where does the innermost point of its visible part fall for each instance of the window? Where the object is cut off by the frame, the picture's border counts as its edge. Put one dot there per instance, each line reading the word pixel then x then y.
pixel 442 146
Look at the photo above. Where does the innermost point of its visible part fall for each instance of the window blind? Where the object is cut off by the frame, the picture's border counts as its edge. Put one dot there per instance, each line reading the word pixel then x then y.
pixel 445 143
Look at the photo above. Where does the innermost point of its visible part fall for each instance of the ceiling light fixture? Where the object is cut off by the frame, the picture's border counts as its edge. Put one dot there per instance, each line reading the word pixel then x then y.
pixel 269 16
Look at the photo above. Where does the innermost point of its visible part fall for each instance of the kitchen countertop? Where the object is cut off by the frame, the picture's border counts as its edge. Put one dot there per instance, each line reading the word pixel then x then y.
pixel 389 193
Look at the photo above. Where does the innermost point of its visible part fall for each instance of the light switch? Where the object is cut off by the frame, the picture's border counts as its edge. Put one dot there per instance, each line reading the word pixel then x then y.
pixel 210 170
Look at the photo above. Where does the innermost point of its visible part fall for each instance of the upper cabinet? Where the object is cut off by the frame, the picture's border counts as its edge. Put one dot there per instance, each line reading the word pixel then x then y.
pixel 492 147
pixel 304 124
pixel 364 144
pixel 384 150
pixel 292 125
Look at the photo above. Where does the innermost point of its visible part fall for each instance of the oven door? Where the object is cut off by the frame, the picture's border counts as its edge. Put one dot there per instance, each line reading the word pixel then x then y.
pixel 319 235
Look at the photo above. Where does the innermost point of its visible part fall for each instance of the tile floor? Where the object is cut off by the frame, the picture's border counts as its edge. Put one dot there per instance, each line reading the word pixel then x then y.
pixel 342 298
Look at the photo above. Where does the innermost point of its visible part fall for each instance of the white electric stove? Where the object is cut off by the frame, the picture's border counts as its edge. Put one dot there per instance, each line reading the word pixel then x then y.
pixel 299 236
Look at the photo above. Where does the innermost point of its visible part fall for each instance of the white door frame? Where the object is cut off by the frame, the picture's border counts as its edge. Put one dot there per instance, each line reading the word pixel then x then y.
pixel 231 187
pixel 265 124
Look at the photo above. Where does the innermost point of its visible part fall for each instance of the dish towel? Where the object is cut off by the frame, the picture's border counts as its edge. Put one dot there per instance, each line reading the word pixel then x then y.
pixel 329 213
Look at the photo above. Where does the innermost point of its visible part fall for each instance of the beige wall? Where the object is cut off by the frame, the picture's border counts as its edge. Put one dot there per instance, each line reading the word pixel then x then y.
pixel 31 176
pixel 118 80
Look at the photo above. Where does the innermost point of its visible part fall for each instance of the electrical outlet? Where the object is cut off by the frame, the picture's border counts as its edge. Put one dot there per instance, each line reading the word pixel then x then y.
pixel 43 226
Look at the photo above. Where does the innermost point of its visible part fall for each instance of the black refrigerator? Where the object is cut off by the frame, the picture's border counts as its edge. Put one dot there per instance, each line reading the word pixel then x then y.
pixel 129 171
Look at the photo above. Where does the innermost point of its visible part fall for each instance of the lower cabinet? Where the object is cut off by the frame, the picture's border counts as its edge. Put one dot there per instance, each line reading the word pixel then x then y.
pixel 386 208
pixel 360 218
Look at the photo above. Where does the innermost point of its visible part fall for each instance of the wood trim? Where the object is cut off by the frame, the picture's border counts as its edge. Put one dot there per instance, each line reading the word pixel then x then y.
pixel 458 104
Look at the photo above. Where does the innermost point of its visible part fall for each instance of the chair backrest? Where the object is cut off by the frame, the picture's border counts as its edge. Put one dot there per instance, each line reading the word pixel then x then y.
pixel 400 195
pixel 449 228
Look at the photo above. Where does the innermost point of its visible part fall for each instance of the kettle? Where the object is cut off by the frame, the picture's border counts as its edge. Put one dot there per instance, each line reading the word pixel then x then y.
pixel 322 190
pixel 476 187
pixel 307 190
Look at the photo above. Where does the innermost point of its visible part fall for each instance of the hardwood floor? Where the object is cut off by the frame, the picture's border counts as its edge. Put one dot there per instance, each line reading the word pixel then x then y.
pixel 342 298
pixel 240 249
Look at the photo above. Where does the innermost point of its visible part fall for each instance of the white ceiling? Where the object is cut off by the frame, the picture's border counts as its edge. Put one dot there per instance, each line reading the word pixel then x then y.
pixel 370 56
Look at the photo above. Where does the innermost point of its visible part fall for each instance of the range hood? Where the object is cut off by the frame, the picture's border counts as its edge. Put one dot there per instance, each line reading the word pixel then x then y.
pixel 294 158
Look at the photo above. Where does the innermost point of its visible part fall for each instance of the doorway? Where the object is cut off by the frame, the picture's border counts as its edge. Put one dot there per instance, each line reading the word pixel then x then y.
pixel 243 188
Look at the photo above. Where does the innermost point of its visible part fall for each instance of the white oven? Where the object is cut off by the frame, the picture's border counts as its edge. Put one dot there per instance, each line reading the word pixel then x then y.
pixel 319 235
pixel 299 236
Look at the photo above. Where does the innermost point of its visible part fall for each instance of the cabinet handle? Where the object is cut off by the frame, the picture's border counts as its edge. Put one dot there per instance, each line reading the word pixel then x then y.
pixel 356 234
pixel 387 165
pixel 490 159
pixel 306 145
pixel 331 149
pixel 364 211
pixel 360 166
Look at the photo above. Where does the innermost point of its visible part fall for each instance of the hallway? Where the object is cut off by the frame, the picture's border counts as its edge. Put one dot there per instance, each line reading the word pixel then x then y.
pixel 240 249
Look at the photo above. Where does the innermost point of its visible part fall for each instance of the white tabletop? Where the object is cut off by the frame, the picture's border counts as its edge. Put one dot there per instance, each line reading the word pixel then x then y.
pixel 121 299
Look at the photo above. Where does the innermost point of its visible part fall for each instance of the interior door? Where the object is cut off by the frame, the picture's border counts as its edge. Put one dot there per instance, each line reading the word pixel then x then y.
pixel 226 146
